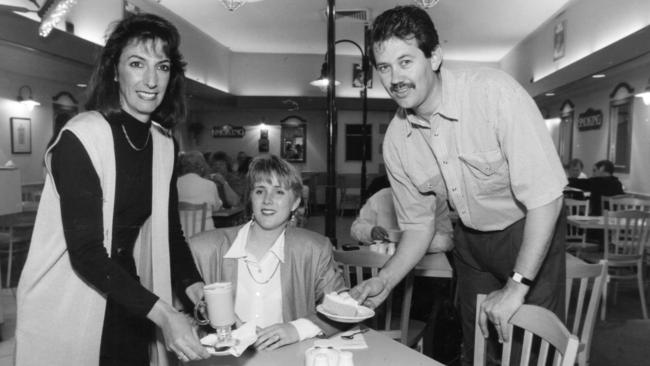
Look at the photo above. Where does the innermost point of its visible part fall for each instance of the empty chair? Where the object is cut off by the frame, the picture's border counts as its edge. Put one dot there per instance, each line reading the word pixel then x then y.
pixel 576 238
pixel 584 288
pixel 359 265
pixel 193 216
pixel 626 234
pixel 537 323
pixel 620 203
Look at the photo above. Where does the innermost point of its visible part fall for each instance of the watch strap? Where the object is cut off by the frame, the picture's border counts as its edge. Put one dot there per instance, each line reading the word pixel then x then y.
pixel 518 277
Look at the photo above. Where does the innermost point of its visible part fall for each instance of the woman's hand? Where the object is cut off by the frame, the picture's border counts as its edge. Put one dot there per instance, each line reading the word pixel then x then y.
pixel 180 336
pixel 195 292
pixel 276 335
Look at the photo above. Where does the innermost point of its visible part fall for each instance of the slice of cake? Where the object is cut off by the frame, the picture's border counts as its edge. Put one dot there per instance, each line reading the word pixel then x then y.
pixel 340 304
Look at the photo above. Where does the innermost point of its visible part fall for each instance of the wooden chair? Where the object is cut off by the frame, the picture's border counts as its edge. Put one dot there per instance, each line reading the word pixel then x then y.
pixel 626 235
pixel 576 238
pixel 350 199
pixel 359 265
pixel 605 201
pixel 13 240
pixel 537 323
pixel 581 310
pixel 620 203
pixel 193 216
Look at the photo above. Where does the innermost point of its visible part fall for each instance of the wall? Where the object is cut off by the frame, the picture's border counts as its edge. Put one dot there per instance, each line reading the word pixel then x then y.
pixel 591 146
pixel 31 166
pixel 591 25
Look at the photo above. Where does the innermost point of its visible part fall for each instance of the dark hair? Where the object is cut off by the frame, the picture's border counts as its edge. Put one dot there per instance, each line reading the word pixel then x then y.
pixel 221 156
pixel 608 166
pixel 406 23
pixel 103 91
pixel 576 163
pixel 265 167
pixel 244 165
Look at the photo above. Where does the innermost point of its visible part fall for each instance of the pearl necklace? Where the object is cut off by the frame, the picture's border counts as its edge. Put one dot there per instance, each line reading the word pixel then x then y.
pixel 131 143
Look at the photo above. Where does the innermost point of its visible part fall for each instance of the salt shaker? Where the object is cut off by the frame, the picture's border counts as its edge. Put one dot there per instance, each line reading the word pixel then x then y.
pixel 321 359
pixel 345 359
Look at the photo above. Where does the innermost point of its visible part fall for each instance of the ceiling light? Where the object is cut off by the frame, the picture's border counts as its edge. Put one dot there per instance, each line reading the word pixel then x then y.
pixel 645 95
pixel 25 97
pixel 82 85
pixel 51 13
pixel 233 5
pixel 598 76
pixel 427 3
pixel 549 94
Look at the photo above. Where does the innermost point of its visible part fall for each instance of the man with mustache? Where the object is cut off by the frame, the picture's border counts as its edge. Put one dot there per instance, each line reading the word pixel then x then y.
pixel 476 138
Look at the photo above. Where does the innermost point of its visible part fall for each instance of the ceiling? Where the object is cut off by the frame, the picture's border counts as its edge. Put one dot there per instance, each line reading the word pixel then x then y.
pixel 470 30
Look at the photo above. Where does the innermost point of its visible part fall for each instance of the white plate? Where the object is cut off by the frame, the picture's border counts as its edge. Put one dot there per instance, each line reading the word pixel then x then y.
pixel 208 340
pixel 363 314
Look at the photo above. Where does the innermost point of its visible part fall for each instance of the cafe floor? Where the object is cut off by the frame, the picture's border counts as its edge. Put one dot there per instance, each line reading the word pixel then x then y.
pixel 623 339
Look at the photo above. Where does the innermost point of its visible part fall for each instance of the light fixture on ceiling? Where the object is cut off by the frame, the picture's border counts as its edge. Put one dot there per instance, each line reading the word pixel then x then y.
pixel 426 3
pixel 645 95
pixel 233 5
pixel 322 82
pixel 598 76
pixel 51 13
pixel 25 97
pixel 550 94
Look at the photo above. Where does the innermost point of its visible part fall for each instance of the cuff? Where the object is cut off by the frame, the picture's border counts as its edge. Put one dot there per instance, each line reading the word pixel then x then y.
pixel 306 328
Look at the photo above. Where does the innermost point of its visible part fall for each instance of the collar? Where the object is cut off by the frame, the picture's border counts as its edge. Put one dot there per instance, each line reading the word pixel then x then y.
pixel 448 109
pixel 238 248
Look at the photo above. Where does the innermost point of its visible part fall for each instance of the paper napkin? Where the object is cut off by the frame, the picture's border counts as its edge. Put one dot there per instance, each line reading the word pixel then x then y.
pixel 245 335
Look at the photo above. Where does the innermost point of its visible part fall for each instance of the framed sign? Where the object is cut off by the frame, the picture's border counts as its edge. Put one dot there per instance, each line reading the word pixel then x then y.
pixel 21 135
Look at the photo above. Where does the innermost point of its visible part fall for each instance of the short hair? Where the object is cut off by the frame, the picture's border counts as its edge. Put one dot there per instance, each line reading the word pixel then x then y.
pixel 265 167
pixel 221 156
pixel 576 163
pixel 607 166
pixel 103 91
pixel 193 162
pixel 406 23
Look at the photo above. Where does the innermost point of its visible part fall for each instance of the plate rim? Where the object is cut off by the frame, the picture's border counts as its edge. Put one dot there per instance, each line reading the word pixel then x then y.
pixel 345 319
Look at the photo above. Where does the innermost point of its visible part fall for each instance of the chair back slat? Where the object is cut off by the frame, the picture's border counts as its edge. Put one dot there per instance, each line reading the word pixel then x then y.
pixel 360 265
pixel 192 217
pixel 536 322
pixel 584 288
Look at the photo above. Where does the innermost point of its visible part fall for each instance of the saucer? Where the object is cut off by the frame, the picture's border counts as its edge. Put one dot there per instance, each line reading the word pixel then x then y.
pixel 363 313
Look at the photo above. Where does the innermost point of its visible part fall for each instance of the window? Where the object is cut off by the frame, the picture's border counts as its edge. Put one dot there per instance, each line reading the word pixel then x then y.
pixel 354 142
pixel 620 127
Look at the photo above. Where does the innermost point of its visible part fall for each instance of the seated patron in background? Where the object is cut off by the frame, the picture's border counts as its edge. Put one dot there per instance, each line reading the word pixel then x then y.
pixel 193 187
pixel 602 183
pixel 281 272
pixel 221 173
pixel 574 170
pixel 377 216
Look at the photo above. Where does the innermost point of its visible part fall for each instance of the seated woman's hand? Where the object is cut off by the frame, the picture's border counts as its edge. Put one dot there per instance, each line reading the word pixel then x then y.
pixel 276 335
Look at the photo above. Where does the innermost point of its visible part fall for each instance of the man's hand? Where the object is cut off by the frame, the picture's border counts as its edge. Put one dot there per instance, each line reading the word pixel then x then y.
pixel 499 306
pixel 378 233
pixel 371 292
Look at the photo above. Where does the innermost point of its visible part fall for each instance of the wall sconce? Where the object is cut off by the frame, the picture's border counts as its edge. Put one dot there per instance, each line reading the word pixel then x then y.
pixel 263 145
pixel 645 95
pixel 25 97
pixel 322 82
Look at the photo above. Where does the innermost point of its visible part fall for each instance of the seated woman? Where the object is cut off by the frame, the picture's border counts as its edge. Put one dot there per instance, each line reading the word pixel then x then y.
pixel 221 173
pixel 280 271
pixel 193 187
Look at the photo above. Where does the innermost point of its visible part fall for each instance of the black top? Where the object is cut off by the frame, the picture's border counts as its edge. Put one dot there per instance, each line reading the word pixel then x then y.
pixel 81 209
pixel 599 187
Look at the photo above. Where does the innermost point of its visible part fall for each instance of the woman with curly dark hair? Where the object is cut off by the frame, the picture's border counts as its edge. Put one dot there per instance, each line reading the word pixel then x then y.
pixel 108 254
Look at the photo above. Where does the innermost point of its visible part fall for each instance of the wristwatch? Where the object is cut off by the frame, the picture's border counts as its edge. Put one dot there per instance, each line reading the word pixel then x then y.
pixel 518 277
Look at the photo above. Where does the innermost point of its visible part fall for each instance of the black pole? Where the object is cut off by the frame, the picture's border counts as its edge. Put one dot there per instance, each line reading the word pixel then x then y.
pixel 364 114
pixel 330 192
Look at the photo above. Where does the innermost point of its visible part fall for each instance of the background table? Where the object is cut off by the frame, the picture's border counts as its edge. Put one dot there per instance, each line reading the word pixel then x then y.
pixel 381 351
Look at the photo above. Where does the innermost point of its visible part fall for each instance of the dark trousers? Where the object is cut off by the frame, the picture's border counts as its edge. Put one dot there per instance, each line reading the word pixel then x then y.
pixel 484 261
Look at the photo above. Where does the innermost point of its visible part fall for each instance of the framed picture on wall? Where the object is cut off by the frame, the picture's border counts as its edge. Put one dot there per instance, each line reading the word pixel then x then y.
pixel 21 135
pixel 559 40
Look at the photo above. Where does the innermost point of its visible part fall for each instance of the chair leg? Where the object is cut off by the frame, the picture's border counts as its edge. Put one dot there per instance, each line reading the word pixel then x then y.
pixel 639 276
pixel 603 308
pixel 9 260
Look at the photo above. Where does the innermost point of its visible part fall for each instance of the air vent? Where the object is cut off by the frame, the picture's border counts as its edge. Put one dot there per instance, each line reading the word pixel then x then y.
pixel 351 15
